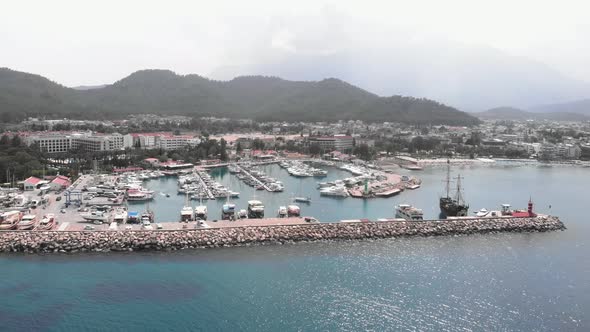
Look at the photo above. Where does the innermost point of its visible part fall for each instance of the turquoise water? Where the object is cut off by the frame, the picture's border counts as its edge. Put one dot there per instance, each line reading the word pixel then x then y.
pixel 526 282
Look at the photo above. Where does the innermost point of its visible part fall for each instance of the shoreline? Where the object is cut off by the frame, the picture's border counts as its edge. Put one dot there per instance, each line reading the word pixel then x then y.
pixel 170 240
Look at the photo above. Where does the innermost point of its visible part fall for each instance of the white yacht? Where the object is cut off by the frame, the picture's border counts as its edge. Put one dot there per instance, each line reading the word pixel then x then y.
pixel 255 209
pixel 293 210
pixel 336 191
pixel 201 212
pixel 282 213
pixel 27 222
pixel 186 214
pixel 482 213
pixel 409 213
pixel 95 216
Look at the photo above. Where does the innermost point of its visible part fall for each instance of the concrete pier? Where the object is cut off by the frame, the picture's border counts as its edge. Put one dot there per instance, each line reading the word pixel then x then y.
pixel 133 240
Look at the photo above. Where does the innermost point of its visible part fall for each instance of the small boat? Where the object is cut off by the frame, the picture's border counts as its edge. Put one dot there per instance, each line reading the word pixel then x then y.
pixel 47 221
pixel 146 225
pixel 303 199
pixel 482 212
pixel 242 214
pixel 282 213
pixel 234 194
pixel 409 213
pixel 95 216
pixel 228 211
pixel 186 214
pixel 27 222
pixel 293 210
pixel 255 209
pixel 201 212
pixel 9 220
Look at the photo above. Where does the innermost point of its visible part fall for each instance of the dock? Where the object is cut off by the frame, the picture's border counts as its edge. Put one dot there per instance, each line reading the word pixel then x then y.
pixel 253 178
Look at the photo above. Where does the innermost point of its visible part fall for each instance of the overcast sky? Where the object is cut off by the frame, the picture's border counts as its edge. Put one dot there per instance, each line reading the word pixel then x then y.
pixel 95 42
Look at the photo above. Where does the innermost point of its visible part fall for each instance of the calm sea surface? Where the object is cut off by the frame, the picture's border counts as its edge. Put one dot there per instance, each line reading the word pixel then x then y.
pixel 523 282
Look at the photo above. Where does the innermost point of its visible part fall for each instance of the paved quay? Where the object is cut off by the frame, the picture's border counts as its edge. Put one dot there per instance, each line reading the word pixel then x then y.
pixel 166 240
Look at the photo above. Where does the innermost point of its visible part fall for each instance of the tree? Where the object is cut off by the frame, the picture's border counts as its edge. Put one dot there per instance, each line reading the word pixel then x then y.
pixel 239 148
pixel 314 149
pixel 223 150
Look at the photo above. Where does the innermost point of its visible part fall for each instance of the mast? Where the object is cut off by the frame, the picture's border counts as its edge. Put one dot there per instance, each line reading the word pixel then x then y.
pixel 459 196
pixel 448 180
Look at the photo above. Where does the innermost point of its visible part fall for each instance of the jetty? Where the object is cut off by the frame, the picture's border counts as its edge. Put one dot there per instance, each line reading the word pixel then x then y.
pixel 249 233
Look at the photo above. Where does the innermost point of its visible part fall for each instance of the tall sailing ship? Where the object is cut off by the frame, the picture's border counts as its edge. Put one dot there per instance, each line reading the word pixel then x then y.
pixel 453 206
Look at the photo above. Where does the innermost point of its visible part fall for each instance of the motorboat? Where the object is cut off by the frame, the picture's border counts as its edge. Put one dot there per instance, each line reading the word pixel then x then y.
pixel 337 191
pixel 242 214
pixel 228 211
pixel 255 209
pixel 282 213
pixel 186 214
pixel 47 221
pixel 146 225
pixel 201 212
pixel 293 210
pixel 120 215
pixel 302 199
pixel 408 213
pixel 482 213
pixel 95 216
pixel 10 219
pixel 27 222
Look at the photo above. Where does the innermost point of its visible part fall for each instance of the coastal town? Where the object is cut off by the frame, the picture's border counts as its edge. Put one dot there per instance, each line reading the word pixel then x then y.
pixel 533 139
pixel 101 176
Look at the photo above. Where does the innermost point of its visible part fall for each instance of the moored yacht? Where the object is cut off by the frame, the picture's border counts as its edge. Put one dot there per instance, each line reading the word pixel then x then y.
pixel 282 213
pixel 201 212
pixel 27 222
pixel 186 214
pixel 95 216
pixel 228 211
pixel 255 209
pixel 409 213
pixel 293 211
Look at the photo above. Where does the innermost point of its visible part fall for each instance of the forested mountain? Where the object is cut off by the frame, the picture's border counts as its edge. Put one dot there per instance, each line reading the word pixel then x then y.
pixel 256 97
pixel 511 113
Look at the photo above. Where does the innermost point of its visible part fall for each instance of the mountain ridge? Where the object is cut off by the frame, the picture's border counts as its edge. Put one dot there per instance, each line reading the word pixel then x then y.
pixel 258 97
pixel 512 113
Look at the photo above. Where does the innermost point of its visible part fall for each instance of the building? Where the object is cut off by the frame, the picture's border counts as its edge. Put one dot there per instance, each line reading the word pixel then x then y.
pixel 173 142
pixel 51 142
pixel 95 143
pixel 60 182
pixel 31 183
pixel 331 143
pixel 163 141
pixel 59 142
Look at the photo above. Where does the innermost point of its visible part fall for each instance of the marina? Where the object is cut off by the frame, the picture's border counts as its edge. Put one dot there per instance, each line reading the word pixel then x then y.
pixel 101 202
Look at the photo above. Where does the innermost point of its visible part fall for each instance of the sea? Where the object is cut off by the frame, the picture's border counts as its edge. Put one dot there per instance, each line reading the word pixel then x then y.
pixel 493 282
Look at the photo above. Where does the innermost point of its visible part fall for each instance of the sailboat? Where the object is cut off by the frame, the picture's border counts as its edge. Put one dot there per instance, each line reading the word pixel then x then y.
pixel 228 210
pixel 300 198
pixel 453 206
pixel 201 210
pixel 186 213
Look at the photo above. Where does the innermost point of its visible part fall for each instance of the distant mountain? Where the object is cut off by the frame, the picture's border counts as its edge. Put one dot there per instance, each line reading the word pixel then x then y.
pixel 578 106
pixel 511 113
pixel 256 97
pixel 469 78
pixel 89 87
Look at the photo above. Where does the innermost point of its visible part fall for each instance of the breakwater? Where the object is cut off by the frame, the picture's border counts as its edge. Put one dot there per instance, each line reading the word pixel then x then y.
pixel 101 241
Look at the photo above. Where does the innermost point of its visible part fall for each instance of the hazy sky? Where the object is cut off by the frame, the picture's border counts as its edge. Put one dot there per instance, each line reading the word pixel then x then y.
pixel 94 42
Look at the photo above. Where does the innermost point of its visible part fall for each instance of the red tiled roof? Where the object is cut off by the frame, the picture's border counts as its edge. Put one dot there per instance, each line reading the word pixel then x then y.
pixel 32 180
pixel 61 180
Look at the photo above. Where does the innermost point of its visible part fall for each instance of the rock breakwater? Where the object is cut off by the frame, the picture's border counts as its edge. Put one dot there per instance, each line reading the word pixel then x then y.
pixel 101 241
